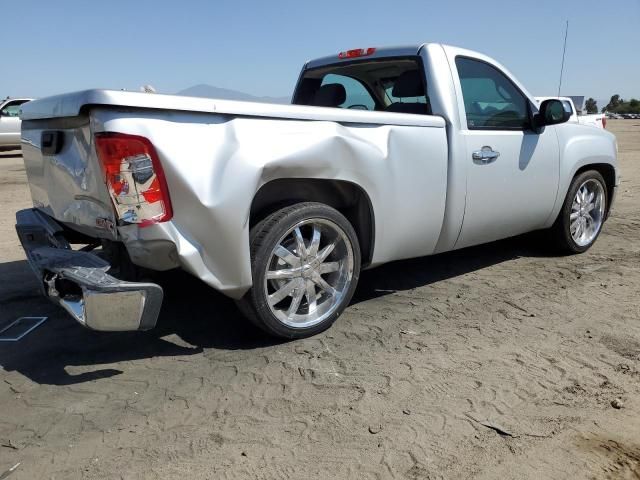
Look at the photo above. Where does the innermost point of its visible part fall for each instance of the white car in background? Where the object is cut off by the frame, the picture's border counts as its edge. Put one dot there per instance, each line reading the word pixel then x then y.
pixel 10 122
pixel 595 119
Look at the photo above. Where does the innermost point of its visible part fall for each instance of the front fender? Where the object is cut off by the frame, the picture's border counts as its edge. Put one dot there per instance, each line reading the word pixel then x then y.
pixel 581 146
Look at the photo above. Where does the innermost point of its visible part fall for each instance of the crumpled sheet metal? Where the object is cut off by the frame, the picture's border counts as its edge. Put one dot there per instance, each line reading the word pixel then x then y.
pixel 215 164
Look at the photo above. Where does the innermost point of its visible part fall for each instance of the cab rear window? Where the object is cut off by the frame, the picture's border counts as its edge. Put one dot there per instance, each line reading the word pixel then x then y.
pixel 388 85
pixel 356 94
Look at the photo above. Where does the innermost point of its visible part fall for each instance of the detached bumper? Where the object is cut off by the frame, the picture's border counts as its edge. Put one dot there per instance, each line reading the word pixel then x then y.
pixel 78 281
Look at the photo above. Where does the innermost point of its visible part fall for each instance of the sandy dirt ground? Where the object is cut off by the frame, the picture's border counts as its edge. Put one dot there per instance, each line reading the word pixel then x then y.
pixel 499 361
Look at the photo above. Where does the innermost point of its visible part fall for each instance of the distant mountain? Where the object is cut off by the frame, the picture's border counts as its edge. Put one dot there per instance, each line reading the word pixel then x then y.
pixel 209 91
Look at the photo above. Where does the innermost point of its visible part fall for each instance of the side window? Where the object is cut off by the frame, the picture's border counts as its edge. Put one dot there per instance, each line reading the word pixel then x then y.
pixel 12 109
pixel 358 97
pixel 491 100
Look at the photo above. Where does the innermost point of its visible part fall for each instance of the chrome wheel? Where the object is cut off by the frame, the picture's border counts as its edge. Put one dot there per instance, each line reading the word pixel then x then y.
pixel 308 273
pixel 587 212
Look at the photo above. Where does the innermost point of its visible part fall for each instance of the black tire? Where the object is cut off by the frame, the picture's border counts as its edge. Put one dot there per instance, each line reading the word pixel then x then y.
pixel 264 237
pixel 561 229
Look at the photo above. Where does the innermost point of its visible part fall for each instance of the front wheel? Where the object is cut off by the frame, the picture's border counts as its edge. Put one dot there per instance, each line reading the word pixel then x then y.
pixel 580 221
pixel 305 262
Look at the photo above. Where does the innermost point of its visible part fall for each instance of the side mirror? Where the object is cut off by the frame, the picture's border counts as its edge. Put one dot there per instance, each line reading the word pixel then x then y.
pixel 551 112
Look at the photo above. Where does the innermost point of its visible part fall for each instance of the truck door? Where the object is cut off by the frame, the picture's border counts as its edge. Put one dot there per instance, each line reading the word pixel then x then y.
pixel 512 172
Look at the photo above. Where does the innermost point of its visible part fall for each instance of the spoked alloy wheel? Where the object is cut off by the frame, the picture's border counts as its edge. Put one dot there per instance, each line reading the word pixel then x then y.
pixel 309 272
pixel 583 213
pixel 305 264
pixel 587 212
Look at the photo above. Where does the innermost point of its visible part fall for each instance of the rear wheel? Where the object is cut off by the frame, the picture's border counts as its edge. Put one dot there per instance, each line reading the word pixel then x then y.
pixel 580 221
pixel 305 266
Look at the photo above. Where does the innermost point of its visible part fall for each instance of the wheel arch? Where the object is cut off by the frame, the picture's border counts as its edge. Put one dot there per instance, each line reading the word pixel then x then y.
pixel 608 172
pixel 347 197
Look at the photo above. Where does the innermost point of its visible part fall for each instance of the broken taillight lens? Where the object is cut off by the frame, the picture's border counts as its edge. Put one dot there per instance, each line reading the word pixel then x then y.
pixel 134 177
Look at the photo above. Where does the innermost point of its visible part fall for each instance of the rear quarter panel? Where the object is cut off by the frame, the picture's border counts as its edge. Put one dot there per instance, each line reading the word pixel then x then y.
pixel 215 164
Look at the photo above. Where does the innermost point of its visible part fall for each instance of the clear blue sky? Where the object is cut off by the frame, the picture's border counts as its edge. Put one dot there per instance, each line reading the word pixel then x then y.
pixel 258 47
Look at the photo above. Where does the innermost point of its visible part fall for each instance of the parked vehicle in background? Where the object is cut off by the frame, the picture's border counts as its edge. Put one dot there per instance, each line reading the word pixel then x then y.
pixel 10 122
pixel 386 154
pixel 595 119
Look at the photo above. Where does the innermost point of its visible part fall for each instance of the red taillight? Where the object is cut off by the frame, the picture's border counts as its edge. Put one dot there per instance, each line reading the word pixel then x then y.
pixel 358 52
pixel 134 177
pixel 604 122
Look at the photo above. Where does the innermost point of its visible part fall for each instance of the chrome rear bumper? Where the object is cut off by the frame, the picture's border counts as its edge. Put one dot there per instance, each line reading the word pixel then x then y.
pixel 78 281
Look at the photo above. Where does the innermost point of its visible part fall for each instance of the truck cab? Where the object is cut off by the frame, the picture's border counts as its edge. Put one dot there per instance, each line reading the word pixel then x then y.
pixel 503 172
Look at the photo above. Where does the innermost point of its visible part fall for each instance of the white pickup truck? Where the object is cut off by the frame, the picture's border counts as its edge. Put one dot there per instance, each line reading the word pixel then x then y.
pixel 386 154
pixel 594 119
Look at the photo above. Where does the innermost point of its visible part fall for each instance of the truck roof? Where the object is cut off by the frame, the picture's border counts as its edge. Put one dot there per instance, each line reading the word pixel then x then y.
pixel 392 51
pixel 397 51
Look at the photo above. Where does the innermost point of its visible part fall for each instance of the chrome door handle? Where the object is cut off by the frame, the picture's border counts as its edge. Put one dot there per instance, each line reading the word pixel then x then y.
pixel 485 155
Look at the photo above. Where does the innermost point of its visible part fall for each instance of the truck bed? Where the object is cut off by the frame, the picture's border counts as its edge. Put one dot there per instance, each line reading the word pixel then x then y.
pixel 73 105
pixel 216 157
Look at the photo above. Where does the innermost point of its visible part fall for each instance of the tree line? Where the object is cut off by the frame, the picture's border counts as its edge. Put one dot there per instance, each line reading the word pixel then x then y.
pixel 615 105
